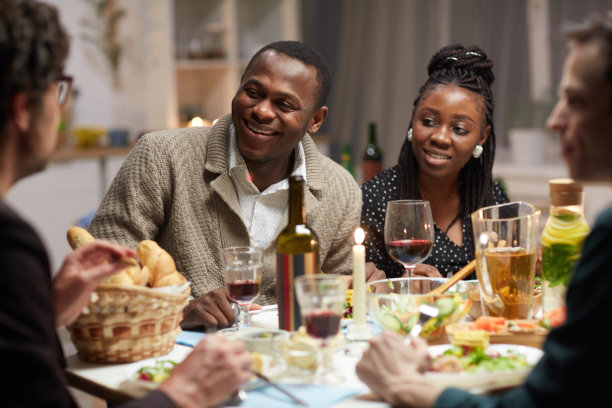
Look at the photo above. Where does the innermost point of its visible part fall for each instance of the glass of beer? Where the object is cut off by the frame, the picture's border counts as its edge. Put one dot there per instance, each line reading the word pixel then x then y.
pixel 506 242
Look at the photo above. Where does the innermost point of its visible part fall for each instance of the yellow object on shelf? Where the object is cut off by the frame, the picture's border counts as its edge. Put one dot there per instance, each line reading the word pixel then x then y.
pixel 86 137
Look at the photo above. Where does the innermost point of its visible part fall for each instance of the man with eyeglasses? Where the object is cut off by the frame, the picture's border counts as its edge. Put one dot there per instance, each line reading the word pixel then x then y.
pixel 64 88
pixel 33 50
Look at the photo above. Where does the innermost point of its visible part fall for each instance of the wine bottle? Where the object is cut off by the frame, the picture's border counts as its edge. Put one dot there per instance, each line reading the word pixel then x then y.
pixel 297 253
pixel 372 157
pixel 346 159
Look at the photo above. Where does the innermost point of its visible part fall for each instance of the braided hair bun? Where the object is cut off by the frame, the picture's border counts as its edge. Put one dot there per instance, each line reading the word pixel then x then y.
pixel 459 58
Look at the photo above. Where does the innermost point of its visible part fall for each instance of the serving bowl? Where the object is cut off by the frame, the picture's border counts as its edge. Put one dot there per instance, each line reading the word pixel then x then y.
pixel 394 304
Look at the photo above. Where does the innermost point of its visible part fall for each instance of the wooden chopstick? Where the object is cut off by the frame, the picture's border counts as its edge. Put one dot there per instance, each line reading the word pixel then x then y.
pixel 465 271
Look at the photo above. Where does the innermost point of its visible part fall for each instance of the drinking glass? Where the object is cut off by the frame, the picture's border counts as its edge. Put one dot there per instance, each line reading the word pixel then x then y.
pixel 409 232
pixel 243 267
pixel 321 298
pixel 506 240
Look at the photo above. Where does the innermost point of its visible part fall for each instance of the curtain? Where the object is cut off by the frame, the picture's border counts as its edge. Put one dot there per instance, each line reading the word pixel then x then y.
pixel 379 51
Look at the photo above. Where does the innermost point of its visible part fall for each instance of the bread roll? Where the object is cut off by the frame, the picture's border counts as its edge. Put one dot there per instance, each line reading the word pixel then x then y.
pixel 159 263
pixel 119 278
pixel 132 274
pixel 77 237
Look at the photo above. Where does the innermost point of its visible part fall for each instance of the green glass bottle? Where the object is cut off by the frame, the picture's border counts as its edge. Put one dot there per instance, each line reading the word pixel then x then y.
pixel 346 159
pixel 297 253
pixel 562 239
pixel 372 157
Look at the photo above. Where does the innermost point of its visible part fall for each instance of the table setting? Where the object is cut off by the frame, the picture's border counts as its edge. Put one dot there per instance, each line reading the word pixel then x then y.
pixel 314 365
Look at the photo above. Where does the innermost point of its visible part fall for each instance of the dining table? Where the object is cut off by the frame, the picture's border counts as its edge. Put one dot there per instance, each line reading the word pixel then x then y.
pixel 115 383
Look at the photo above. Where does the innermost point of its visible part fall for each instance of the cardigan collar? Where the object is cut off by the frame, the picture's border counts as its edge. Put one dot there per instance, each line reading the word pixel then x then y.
pixel 217 160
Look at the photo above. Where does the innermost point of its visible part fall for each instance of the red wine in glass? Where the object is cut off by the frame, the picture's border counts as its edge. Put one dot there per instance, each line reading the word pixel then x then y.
pixel 243 291
pixel 409 232
pixel 409 251
pixel 322 324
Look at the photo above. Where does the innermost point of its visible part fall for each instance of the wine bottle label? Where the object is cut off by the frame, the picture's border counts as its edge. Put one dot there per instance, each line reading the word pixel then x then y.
pixel 289 267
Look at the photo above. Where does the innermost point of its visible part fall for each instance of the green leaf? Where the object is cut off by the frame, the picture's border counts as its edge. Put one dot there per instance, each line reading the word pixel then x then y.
pixel 558 263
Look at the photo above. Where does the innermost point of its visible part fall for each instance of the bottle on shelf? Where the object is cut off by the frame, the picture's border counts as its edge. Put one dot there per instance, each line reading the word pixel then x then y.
pixel 372 157
pixel 562 239
pixel 346 159
pixel 297 253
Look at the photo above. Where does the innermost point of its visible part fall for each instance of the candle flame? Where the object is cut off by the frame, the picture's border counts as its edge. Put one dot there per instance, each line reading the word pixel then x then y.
pixel 359 236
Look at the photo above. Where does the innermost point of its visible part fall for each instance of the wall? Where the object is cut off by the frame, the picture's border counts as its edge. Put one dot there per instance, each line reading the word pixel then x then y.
pixel 146 98
pixel 53 200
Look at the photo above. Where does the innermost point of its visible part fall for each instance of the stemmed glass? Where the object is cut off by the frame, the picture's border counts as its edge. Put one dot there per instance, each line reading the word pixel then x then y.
pixel 409 232
pixel 243 267
pixel 321 298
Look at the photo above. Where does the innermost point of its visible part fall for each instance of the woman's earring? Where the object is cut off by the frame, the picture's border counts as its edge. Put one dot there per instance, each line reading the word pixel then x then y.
pixel 477 151
pixel 409 135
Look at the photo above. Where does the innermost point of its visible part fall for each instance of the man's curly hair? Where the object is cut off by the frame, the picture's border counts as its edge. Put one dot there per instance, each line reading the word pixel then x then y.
pixel 33 49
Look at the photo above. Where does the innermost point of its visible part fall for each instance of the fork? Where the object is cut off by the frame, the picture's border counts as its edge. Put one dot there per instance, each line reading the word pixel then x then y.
pixel 426 312
pixel 279 388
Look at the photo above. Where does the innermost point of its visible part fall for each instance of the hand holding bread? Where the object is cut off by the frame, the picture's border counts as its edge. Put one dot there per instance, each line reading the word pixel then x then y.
pixel 158 268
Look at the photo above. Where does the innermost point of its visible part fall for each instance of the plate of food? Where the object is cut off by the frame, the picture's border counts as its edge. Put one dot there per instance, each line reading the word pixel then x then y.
pixel 505 331
pixel 472 363
pixel 147 375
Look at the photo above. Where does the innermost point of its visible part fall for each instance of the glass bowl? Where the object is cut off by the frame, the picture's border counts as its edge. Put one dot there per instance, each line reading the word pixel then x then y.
pixel 393 304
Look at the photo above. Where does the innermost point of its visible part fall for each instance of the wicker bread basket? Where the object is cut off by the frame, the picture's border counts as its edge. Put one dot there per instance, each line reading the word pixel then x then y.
pixel 125 323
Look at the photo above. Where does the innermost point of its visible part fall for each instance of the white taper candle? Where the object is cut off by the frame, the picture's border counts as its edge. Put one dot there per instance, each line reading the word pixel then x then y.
pixel 359 306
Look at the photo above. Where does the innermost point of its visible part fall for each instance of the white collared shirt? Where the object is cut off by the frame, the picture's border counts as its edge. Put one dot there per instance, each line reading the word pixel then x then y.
pixel 261 211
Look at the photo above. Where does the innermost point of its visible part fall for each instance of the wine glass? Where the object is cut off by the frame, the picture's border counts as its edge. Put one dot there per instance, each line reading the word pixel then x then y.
pixel 243 267
pixel 321 298
pixel 409 232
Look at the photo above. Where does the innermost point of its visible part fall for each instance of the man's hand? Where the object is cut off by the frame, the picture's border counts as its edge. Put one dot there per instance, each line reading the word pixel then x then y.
pixel 80 274
pixel 394 371
pixel 210 374
pixel 213 310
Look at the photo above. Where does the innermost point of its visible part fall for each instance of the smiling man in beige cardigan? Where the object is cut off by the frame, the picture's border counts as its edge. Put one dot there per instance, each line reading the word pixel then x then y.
pixel 198 190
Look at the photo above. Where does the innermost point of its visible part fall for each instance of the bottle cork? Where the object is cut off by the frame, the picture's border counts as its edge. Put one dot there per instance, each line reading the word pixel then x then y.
pixel 565 191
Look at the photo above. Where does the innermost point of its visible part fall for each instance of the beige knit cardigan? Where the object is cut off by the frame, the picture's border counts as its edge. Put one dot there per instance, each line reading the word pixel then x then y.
pixel 175 188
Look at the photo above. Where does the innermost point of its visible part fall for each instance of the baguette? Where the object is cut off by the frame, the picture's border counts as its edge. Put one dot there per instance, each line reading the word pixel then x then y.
pixel 132 274
pixel 77 237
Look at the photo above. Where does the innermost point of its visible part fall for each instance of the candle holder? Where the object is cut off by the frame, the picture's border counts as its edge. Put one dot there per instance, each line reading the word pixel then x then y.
pixel 359 332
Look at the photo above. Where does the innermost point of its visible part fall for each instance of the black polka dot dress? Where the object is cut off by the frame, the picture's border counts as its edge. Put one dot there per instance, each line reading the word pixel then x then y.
pixel 446 256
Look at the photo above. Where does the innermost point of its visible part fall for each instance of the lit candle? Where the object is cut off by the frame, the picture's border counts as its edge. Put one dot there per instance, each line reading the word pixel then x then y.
pixel 359 312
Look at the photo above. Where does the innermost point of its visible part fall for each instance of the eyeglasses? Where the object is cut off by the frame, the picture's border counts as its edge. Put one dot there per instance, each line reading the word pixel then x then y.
pixel 64 85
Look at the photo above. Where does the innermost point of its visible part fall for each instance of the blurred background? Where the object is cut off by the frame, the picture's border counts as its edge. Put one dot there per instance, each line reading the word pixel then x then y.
pixel 143 65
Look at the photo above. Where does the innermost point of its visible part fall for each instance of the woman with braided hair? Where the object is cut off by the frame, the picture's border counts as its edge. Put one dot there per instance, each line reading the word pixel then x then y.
pixel 447 159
